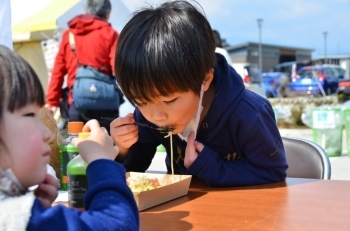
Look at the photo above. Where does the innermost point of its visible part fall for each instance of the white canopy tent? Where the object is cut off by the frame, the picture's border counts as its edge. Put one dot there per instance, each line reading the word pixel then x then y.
pixel 50 16
pixel 47 19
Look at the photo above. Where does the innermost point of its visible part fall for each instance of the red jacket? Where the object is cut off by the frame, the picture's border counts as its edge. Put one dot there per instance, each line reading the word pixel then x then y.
pixel 95 44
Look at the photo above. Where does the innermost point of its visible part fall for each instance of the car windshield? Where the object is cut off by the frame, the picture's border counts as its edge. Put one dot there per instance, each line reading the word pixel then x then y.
pixel 291 68
pixel 339 72
pixel 285 68
pixel 303 64
pixel 307 73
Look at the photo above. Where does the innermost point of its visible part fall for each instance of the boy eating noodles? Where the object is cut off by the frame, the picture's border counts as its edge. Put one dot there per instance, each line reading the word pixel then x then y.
pixel 167 68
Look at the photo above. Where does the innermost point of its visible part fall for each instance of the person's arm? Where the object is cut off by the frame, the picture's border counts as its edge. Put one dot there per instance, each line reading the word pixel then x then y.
pixel 109 204
pixel 263 161
pixel 140 157
pixel 57 77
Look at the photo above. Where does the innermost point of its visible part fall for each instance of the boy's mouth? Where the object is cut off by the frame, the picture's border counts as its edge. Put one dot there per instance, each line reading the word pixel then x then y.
pixel 166 129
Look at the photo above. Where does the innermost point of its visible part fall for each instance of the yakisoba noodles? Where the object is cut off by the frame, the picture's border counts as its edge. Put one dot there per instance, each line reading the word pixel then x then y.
pixel 142 183
pixel 170 134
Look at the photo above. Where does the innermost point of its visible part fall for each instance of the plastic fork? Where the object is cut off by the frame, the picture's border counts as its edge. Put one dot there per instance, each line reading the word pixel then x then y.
pixel 159 129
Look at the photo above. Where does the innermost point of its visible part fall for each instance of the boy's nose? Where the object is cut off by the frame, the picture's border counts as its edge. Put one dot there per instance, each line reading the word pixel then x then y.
pixel 158 114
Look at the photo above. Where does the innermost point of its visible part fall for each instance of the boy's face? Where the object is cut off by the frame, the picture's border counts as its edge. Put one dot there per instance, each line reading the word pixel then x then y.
pixel 175 110
pixel 24 146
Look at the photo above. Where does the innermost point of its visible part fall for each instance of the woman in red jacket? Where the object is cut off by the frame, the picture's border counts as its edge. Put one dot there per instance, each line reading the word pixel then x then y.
pixel 95 44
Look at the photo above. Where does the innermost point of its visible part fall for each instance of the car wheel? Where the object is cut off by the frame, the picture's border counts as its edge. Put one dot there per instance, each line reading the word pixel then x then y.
pixel 269 95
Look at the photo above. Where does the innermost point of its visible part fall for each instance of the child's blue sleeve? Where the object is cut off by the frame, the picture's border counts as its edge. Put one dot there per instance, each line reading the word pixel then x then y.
pixel 109 204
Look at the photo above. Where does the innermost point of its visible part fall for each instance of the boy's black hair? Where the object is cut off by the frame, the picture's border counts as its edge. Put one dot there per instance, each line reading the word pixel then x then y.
pixel 19 84
pixel 164 50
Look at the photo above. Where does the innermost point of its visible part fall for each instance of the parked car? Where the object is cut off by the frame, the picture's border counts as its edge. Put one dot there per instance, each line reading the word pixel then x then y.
pixel 305 84
pixel 276 84
pixel 251 76
pixel 344 90
pixel 291 68
pixel 327 75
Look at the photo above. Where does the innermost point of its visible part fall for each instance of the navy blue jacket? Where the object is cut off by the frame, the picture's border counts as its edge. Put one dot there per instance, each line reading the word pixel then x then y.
pixel 109 204
pixel 242 143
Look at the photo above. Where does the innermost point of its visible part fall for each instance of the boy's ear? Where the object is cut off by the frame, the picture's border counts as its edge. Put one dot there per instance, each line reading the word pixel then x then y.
pixel 208 79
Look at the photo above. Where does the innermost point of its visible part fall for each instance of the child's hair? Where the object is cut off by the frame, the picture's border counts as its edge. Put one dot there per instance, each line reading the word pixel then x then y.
pixel 164 50
pixel 19 84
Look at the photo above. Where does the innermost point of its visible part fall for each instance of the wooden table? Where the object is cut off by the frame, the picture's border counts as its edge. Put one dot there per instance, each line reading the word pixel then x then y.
pixel 296 204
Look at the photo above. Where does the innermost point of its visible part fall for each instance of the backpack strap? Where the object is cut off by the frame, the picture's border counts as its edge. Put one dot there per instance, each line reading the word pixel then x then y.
pixel 72 46
pixel 72 42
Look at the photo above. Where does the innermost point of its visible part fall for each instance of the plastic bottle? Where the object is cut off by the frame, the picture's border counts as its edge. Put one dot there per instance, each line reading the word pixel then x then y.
pixel 77 180
pixel 68 151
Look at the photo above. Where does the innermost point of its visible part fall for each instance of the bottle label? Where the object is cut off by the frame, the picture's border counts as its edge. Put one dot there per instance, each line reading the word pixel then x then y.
pixel 77 187
pixel 65 157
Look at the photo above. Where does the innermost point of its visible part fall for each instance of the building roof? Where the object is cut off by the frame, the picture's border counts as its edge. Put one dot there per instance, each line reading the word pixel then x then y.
pixel 333 56
pixel 246 44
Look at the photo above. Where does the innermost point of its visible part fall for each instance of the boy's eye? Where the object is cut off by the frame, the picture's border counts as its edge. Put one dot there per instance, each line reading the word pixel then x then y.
pixel 140 104
pixel 170 101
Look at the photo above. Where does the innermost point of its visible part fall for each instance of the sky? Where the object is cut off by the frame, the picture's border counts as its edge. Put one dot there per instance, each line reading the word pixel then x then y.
pixel 292 23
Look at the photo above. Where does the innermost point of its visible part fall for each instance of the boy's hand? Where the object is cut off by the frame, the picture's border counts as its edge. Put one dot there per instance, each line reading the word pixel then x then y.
pixel 192 150
pixel 46 192
pixel 99 145
pixel 124 132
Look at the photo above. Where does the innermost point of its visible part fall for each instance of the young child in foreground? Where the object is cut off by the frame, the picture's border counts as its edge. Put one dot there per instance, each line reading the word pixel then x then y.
pixel 25 153
pixel 167 67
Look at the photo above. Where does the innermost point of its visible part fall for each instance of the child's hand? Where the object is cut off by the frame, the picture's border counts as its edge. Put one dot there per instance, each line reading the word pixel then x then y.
pixel 46 192
pixel 51 108
pixel 124 132
pixel 192 150
pixel 99 145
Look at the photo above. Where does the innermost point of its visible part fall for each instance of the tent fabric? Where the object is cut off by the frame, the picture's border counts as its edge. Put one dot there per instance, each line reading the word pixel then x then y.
pixel 32 53
pixel 49 22
pixel 42 25
pixel 52 20
pixel 45 19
